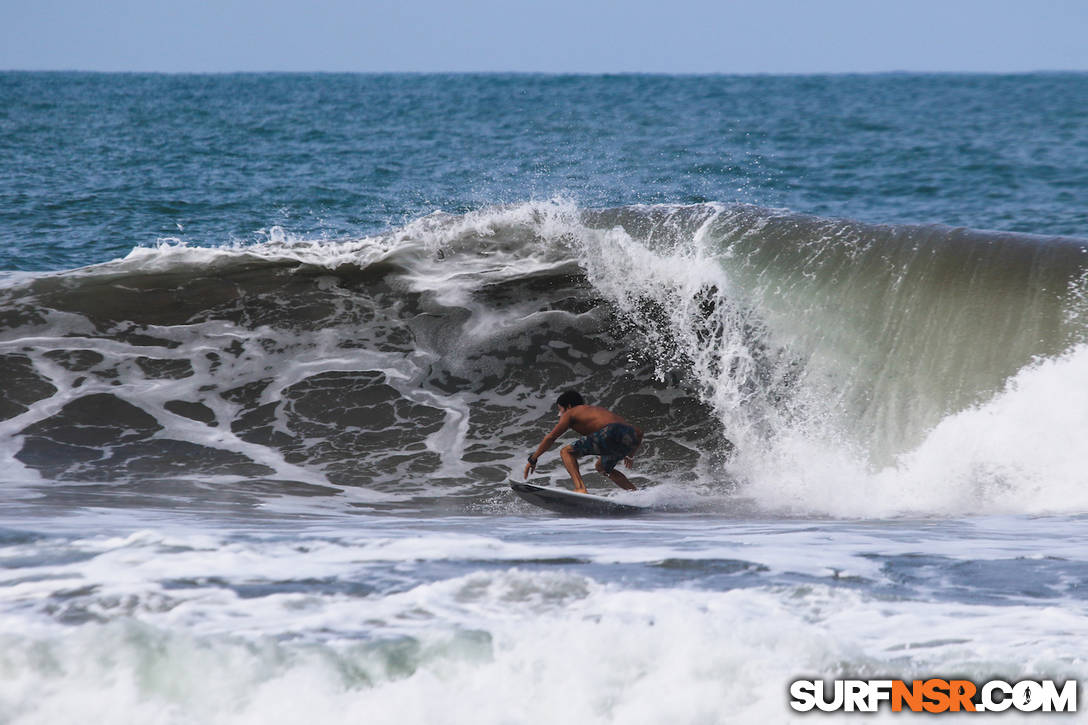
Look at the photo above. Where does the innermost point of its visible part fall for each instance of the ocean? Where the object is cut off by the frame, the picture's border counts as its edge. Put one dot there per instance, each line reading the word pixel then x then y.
pixel 273 346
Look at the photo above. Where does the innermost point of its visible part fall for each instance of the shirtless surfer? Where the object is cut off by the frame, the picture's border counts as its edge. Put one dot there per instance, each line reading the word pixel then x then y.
pixel 604 434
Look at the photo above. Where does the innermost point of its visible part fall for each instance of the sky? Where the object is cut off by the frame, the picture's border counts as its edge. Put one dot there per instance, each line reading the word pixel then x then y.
pixel 557 36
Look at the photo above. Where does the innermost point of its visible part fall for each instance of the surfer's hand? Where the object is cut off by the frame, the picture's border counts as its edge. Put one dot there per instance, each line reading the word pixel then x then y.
pixel 629 462
pixel 530 467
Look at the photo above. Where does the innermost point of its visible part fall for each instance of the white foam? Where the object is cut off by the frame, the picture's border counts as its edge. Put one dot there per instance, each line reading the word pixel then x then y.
pixel 518 646
pixel 1021 452
pixel 473 620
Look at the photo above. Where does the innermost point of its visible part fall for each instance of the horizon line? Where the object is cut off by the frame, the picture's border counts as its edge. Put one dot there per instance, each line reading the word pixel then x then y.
pixel 1037 71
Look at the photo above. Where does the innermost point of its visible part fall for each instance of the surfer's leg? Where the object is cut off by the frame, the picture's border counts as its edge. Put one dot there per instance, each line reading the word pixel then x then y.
pixel 617 478
pixel 571 462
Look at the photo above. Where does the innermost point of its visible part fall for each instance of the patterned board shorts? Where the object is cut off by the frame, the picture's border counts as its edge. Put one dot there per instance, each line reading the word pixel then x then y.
pixel 612 443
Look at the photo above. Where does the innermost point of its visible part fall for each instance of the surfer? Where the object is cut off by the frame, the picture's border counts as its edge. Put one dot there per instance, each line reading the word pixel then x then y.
pixel 604 434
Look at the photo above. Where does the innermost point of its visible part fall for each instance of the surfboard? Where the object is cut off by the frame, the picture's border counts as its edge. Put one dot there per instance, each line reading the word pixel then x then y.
pixel 574 504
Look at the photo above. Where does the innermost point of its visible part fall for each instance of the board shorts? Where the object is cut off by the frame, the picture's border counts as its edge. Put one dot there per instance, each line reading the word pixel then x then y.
pixel 612 443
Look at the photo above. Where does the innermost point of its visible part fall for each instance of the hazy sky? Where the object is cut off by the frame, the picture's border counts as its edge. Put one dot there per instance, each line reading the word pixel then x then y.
pixel 667 36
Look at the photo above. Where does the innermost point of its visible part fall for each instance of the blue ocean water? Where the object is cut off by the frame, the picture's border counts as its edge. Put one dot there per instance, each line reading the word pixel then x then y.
pixel 96 164
pixel 273 346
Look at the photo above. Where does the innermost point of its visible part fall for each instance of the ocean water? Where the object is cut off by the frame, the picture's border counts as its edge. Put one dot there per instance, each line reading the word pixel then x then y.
pixel 273 346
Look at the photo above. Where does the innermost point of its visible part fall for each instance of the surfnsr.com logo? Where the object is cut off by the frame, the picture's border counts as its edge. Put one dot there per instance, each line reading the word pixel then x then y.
pixel 934 695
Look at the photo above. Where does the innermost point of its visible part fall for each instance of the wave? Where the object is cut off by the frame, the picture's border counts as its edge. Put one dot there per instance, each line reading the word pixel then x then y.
pixel 797 362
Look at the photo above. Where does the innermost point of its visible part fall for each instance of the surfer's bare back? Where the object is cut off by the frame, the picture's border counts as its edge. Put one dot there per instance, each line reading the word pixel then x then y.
pixel 604 434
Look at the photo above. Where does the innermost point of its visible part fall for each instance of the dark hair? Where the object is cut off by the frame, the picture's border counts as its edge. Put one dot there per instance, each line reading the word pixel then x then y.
pixel 570 399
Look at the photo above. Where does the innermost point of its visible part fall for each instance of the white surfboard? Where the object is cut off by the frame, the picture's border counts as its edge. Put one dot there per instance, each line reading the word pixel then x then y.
pixel 574 504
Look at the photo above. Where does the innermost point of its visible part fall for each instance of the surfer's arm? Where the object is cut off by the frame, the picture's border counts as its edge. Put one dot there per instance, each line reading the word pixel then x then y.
pixel 549 440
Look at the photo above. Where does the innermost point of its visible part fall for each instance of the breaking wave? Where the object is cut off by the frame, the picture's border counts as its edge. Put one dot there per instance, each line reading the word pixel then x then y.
pixel 798 363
